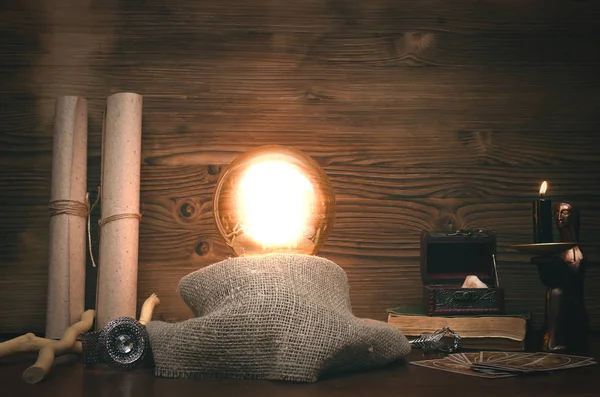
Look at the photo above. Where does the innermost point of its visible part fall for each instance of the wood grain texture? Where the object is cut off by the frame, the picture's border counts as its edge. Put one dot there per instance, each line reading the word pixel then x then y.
pixel 425 115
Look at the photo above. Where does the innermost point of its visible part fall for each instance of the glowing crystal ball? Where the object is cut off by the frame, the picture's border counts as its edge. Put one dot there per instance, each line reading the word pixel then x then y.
pixel 274 199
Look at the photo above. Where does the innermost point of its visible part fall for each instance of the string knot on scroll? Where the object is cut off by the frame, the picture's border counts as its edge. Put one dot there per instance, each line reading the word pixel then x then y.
pixel 68 207
pixel 118 217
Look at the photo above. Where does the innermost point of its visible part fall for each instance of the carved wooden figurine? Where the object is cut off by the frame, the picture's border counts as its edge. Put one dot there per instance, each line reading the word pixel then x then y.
pixel 566 327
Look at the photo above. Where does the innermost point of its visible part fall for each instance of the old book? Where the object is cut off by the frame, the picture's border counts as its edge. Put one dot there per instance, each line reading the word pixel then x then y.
pixel 492 343
pixel 485 331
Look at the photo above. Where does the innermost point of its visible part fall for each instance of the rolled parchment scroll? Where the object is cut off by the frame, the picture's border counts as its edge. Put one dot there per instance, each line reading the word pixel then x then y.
pixel 120 208
pixel 68 212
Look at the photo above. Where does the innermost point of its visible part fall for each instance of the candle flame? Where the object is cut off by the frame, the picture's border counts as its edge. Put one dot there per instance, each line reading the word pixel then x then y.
pixel 543 188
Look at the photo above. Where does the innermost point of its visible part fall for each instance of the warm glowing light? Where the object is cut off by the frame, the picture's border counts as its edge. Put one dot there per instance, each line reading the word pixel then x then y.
pixel 543 188
pixel 275 201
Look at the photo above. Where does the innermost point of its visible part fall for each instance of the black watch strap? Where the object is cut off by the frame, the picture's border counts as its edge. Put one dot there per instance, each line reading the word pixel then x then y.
pixel 90 349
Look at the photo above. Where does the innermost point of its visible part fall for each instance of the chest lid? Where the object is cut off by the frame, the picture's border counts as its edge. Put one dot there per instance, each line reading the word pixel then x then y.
pixel 447 258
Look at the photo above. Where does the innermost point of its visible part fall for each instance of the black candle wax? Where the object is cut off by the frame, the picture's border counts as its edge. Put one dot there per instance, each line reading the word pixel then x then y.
pixel 542 220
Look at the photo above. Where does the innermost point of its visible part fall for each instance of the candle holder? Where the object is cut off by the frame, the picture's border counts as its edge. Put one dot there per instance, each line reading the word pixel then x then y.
pixel 561 267
pixel 545 249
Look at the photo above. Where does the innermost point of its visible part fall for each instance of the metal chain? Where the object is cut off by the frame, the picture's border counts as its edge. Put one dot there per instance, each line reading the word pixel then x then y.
pixel 434 341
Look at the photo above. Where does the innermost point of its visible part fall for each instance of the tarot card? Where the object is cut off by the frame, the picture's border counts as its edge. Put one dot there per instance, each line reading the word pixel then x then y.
pixel 496 356
pixel 460 358
pixel 575 361
pixel 482 356
pixel 446 364
pixel 538 362
pixel 546 361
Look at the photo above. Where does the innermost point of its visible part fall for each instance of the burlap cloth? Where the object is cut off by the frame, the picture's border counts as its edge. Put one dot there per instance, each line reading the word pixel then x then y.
pixel 277 316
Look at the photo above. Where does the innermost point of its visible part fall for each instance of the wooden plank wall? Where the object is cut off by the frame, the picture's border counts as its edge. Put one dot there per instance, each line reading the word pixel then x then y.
pixel 425 115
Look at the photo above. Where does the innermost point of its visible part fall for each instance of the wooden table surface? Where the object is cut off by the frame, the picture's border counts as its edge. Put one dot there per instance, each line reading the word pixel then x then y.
pixel 70 378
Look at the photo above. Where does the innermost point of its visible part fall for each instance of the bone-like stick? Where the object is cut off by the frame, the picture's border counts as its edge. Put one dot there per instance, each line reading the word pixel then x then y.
pixel 23 344
pixel 148 308
pixel 28 343
pixel 66 344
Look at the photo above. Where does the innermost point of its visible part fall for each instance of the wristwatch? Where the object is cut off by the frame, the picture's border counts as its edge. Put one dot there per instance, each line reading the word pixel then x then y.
pixel 123 344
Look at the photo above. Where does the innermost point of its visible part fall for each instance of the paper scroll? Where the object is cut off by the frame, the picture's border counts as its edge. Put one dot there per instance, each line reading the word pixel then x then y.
pixel 120 207
pixel 68 213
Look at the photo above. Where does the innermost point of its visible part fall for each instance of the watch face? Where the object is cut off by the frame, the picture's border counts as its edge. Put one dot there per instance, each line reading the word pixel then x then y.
pixel 124 343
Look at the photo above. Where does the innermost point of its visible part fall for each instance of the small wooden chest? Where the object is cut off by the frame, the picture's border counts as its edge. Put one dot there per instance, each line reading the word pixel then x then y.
pixel 447 258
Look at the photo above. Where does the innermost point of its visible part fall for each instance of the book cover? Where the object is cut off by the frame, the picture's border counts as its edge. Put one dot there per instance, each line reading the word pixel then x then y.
pixel 417 311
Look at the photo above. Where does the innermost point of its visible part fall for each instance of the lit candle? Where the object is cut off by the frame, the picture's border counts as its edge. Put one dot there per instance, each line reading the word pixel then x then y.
pixel 542 217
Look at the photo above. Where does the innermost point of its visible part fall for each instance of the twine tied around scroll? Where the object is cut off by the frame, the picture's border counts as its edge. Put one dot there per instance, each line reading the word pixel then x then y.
pixel 69 207
pixel 83 210
pixel 104 221
pixel 117 217
pixel 77 208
